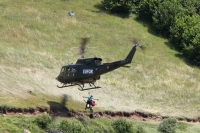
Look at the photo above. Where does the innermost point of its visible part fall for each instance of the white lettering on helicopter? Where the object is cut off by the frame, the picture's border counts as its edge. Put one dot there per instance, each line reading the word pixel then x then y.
pixel 87 71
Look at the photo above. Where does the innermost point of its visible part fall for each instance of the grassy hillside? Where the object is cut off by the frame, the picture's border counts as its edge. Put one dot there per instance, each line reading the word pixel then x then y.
pixel 36 38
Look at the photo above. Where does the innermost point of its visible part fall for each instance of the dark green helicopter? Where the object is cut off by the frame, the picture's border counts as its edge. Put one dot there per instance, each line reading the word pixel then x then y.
pixel 88 70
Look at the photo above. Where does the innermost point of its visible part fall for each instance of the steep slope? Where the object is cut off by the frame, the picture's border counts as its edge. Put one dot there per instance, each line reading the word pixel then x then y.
pixel 36 39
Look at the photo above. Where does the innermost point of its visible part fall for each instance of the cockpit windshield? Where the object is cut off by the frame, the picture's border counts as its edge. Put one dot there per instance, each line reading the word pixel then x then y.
pixel 71 70
pixel 67 69
pixel 62 71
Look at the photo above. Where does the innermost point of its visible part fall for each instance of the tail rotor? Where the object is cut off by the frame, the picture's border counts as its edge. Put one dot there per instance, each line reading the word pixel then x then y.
pixel 136 43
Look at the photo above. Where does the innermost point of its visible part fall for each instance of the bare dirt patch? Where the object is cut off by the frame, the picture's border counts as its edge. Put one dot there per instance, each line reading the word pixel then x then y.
pixel 136 115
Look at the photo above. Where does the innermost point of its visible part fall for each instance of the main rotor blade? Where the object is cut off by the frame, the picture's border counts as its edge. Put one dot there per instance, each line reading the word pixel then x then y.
pixel 126 66
pixel 84 42
pixel 83 46
pixel 135 41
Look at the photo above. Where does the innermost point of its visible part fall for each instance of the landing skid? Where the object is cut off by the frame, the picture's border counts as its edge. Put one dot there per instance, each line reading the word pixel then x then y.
pixel 81 86
pixel 91 84
pixel 65 85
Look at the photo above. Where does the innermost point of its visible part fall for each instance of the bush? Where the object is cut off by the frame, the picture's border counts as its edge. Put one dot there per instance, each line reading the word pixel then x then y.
pixel 124 7
pixel 140 129
pixel 176 32
pixel 191 7
pixel 182 126
pixel 122 126
pixel 167 126
pixel 185 36
pixel 43 121
pixel 191 41
pixel 165 15
pixel 147 8
pixel 67 127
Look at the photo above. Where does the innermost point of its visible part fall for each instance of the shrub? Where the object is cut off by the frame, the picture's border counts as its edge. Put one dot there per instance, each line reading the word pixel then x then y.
pixel 191 7
pixel 67 127
pixel 43 121
pixel 176 32
pixel 185 36
pixel 147 8
pixel 165 15
pixel 122 126
pixel 124 7
pixel 191 41
pixel 83 121
pixel 182 126
pixel 140 129
pixel 167 126
pixel 4 109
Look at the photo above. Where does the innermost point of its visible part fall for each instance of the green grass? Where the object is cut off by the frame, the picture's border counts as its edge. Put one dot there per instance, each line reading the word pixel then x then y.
pixel 36 38
pixel 16 124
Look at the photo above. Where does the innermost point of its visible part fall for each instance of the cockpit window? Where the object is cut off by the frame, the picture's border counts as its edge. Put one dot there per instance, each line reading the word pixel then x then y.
pixel 71 70
pixel 62 71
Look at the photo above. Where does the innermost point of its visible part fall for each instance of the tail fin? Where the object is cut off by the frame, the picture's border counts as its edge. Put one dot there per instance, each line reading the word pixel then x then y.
pixel 131 54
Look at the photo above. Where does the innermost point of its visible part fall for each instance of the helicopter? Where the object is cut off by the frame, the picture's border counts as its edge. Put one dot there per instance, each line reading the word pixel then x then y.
pixel 89 70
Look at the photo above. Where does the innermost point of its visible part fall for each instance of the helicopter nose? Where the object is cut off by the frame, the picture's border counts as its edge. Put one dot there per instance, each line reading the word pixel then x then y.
pixel 57 78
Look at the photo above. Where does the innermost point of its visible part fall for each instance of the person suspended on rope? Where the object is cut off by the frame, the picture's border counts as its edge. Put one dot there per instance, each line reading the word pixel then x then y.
pixel 90 102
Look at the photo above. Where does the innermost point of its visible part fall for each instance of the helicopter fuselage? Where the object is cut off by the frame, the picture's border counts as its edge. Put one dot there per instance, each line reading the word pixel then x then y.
pixel 84 71
pixel 88 70
pixel 78 73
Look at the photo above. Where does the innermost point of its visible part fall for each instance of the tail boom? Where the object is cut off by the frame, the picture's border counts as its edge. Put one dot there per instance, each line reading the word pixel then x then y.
pixel 107 67
pixel 131 54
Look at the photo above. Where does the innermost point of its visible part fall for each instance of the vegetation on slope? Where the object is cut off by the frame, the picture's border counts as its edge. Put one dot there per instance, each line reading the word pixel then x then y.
pixel 176 19
pixel 44 123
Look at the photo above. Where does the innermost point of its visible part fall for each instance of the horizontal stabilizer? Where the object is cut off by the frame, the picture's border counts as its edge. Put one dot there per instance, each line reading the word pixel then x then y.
pixel 126 66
